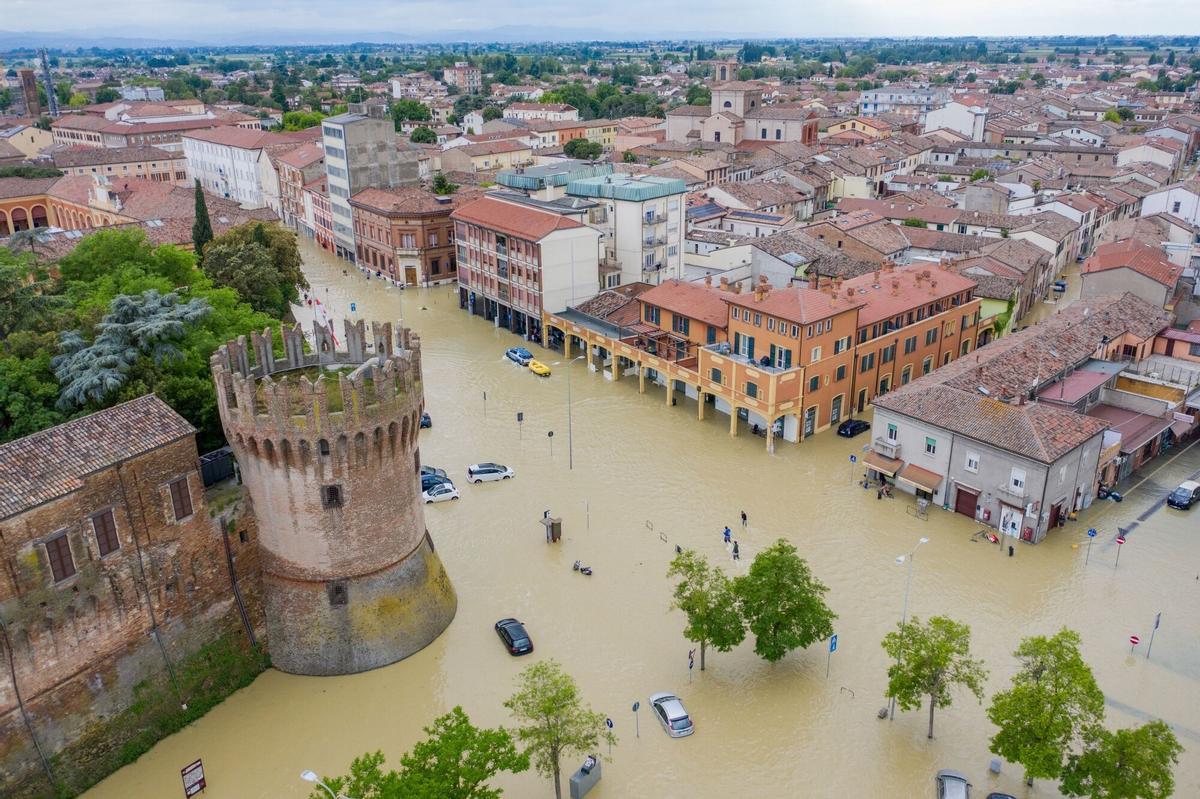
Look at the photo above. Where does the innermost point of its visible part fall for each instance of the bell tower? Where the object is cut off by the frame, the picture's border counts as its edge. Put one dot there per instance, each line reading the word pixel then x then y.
pixel 328 450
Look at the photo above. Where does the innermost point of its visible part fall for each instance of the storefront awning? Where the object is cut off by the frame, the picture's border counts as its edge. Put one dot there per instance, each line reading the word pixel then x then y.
pixel 1180 429
pixel 920 478
pixel 882 463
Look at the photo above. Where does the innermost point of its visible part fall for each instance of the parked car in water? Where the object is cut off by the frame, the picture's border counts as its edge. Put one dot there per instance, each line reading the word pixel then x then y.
pixel 852 427
pixel 426 420
pixel 953 785
pixel 997 795
pixel 479 472
pixel 433 470
pixel 439 492
pixel 512 634
pixel 428 481
pixel 519 355
pixel 540 369
pixel 671 713
pixel 1186 495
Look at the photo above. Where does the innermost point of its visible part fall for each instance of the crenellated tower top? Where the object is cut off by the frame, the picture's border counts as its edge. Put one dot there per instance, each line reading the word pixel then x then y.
pixel 324 391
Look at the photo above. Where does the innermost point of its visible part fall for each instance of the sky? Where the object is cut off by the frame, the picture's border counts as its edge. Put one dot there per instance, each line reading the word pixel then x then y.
pixel 309 20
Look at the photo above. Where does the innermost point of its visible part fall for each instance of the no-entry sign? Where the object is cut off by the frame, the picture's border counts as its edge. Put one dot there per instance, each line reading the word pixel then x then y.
pixel 1134 640
pixel 1120 539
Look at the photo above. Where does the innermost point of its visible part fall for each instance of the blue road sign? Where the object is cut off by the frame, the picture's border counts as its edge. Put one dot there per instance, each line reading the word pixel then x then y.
pixel 608 723
pixel 1157 619
pixel 833 643
pixel 854 459
pixel 636 705
pixel 1092 532
pixel 353 307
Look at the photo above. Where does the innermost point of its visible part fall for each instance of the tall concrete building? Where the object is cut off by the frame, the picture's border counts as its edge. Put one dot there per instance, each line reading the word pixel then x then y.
pixel 328 448
pixel 361 153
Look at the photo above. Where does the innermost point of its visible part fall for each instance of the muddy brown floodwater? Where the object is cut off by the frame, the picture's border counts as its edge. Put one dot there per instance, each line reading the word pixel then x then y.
pixel 647 477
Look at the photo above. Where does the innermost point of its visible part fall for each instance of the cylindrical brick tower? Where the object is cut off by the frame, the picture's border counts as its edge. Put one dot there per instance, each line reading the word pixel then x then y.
pixel 327 445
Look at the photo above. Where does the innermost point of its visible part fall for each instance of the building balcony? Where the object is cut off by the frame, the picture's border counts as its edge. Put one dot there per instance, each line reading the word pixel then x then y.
pixel 885 446
pixel 726 351
pixel 1013 496
pixel 654 219
pixel 654 241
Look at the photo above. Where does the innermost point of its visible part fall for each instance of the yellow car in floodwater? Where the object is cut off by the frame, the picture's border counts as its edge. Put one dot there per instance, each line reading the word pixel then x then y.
pixel 540 369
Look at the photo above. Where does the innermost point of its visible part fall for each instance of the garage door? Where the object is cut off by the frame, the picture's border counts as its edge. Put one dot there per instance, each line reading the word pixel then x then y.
pixel 965 501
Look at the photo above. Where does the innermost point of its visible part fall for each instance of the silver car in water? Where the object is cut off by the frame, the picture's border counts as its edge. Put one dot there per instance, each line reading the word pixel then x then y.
pixel 671 713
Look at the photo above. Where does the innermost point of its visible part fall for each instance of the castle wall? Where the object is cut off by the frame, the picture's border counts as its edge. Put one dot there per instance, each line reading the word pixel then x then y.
pixel 77 648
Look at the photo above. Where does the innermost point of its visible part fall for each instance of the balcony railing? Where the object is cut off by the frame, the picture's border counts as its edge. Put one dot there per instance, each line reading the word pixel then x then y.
pixel 654 219
pixel 885 446
pixel 723 349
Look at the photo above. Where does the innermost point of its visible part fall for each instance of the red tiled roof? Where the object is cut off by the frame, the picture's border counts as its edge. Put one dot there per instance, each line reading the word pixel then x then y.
pixel 888 294
pixel 517 220
pixel 242 138
pixel 1133 254
pixel 795 304
pixel 694 300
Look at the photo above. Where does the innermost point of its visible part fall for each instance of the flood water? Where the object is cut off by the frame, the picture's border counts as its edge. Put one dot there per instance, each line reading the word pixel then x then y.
pixel 647 477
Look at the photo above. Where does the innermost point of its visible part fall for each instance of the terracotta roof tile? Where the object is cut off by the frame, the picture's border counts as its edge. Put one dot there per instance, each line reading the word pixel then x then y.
pixel 517 220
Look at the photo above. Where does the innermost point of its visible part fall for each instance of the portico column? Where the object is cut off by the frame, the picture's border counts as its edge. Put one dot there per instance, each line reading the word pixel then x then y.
pixel 771 437
pixel 641 378
pixel 700 405
pixel 733 420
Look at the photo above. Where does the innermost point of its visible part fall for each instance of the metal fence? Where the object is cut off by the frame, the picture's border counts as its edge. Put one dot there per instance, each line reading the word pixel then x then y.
pixel 216 466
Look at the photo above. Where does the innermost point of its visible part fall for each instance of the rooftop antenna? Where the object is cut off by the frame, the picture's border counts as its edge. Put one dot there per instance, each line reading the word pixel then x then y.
pixel 51 97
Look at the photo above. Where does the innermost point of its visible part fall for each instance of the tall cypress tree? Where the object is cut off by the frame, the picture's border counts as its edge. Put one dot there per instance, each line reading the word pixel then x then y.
pixel 202 228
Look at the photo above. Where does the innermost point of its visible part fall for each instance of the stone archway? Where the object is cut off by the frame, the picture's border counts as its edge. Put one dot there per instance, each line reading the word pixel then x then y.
pixel 20 220
pixel 40 217
pixel 4 229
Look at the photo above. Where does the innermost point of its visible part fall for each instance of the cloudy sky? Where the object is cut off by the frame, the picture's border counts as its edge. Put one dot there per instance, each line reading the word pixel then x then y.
pixel 181 19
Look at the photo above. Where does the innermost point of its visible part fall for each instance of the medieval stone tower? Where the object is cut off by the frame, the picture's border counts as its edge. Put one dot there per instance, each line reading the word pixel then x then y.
pixel 327 445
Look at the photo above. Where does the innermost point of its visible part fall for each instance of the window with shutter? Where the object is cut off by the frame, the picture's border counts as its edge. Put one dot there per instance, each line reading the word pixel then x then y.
pixel 62 565
pixel 181 499
pixel 105 527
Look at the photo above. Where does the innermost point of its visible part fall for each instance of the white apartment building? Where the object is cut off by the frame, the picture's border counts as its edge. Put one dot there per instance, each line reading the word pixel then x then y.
pixel 548 112
pixel 910 101
pixel 643 228
pixel 226 161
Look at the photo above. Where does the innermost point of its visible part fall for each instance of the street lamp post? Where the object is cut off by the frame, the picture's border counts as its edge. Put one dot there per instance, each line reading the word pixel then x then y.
pixel 311 776
pixel 900 559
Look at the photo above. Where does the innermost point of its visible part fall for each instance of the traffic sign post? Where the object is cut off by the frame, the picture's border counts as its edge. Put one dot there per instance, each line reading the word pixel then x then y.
pixel 829 656
pixel 609 723
pixel 1149 646
pixel 550 435
pixel 520 423
pixel 1120 543
pixel 637 729
pixel 691 664
pixel 1133 642
pixel 1091 535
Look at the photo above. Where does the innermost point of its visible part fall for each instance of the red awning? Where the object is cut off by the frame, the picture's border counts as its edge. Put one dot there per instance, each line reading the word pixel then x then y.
pixel 882 463
pixel 920 478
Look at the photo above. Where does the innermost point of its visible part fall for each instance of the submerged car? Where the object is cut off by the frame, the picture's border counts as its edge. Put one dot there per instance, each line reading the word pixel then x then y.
pixel 440 492
pixel 671 713
pixel 428 481
pixel 478 472
pixel 852 427
pixel 1186 495
pixel 519 355
pixel 953 785
pixel 426 420
pixel 432 470
pixel 512 634
pixel 540 369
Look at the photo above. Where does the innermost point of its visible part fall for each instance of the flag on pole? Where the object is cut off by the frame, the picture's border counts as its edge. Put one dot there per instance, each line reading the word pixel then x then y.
pixel 322 318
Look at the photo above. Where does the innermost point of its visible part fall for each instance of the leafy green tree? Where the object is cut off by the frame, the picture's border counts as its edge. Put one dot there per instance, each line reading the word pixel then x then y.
pixel 628 157
pixel 261 262
pixel 423 135
pixel 456 761
pixel 699 94
pixel 1111 115
pixel 980 174
pixel 301 120
pixel 150 325
pixel 583 148
pixel 106 94
pixel 6 98
pixel 1052 705
pixel 929 660
pixel 202 232
pixel 25 293
pixel 77 100
pixel 912 221
pixel 492 112
pixel 1126 764
pixel 782 602
pixel 441 185
pixel 554 721
pixel 705 594
pixel 410 111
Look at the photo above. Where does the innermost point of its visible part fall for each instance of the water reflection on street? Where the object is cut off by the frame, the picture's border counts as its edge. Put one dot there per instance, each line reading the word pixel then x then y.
pixel 647 477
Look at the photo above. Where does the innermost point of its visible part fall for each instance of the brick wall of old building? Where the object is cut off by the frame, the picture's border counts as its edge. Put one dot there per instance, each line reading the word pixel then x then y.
pixel 77 648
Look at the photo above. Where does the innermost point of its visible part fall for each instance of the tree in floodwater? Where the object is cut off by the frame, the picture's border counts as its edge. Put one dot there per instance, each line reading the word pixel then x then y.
pixel 783 603
pixel 705 594
pixel 929 660
pixel 1126 764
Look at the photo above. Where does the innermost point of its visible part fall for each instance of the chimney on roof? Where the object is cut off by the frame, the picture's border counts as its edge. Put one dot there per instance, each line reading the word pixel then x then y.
pixel 737 288
pixel 895 287
pixel 877 272
pixel 933 287
pixel 708 281
pixel 724 283
pixel 849 294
